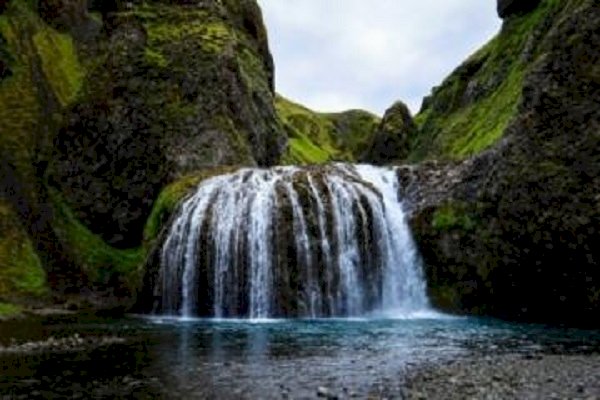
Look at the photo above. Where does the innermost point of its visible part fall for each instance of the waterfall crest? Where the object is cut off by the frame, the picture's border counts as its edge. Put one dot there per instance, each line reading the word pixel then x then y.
pixel 291 242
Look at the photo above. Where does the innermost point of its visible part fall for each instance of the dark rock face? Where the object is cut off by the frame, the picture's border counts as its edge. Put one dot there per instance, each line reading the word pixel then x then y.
pixel 506 8
pixel 179 91
pixel 63 14
pixel 516 236
pixel 5 59
pixel 391 140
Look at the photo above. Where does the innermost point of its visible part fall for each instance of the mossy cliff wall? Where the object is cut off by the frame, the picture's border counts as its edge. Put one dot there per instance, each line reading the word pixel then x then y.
pixel 514 231
pixel 101 106
pixel 176 88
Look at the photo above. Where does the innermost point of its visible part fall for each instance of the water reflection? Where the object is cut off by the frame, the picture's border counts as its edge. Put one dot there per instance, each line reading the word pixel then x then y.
pixel 225 359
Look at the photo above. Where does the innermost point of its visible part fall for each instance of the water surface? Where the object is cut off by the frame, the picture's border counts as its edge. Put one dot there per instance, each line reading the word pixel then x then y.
pixel 194 358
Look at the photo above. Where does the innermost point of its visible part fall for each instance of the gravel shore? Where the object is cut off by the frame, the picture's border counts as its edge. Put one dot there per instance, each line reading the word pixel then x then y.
pixel 509 377
pixel 72 343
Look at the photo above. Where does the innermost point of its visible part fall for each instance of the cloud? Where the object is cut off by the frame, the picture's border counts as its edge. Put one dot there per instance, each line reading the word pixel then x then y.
pixel 340 54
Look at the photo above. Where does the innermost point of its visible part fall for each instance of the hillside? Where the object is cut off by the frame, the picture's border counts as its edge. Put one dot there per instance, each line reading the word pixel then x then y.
pixel 511 230
pixel 315 138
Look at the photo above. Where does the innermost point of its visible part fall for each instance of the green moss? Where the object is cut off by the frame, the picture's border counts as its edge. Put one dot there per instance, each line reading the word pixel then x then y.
pixel 21 272
pixel 19 106
pixel 252 69
pixel 212 35
pixel 172 195
pixel 8 310
pixel 155 58
pixel 452 216
pixel 452 127
pixel 59 63
pixel 99 260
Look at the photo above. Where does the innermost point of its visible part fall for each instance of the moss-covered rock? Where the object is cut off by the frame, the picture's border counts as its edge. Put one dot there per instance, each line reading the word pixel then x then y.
pixel 101 108
pixel 21 273
pixel 516 236
pixel 391 139
pixel 30 108
pixel 316 138
pixel 176 87
pixel 172 195
pixel 470 111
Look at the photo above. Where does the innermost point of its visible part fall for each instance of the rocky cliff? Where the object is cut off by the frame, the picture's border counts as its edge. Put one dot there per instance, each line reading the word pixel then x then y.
pixel 511 231
pixel 101 106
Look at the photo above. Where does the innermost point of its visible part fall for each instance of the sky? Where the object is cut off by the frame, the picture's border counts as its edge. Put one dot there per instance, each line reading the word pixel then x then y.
pixel 334 55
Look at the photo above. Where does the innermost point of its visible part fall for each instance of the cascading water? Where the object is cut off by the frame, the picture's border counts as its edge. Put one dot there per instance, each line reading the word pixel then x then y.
pixel 291 242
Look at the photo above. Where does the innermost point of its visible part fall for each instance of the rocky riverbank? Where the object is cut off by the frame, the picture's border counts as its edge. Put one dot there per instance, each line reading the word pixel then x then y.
pixel 509 377
pixel 71 343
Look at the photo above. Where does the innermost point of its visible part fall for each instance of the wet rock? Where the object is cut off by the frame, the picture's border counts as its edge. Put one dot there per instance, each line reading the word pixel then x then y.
pixel 326 393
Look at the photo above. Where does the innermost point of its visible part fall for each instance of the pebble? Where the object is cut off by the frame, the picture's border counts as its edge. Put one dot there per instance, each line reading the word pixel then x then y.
pixel 67 344
pixel 508 377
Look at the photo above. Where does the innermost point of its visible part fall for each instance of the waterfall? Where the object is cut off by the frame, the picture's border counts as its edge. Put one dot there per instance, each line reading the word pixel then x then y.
pixel 291 242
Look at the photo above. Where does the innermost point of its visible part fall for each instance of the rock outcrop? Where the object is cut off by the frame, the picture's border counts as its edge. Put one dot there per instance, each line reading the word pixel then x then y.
pixel 514 234
pixel 392 137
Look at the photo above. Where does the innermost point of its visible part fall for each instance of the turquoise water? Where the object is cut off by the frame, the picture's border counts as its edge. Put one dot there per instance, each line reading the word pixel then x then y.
pixel 174 358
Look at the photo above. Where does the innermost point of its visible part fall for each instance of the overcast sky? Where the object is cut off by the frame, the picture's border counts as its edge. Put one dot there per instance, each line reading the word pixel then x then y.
pixel 333 55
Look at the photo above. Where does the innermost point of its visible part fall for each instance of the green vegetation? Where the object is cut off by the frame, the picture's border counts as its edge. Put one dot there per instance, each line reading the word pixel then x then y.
pixel 98 260
pixel 212 35
pixel 172 195
pixel 474 105
pixel 19 104
pixel 21 272
pixel 59 63
pixel 8 310
pixel 354 129
pixel 155 58
pixel 316 138
pixel 452 216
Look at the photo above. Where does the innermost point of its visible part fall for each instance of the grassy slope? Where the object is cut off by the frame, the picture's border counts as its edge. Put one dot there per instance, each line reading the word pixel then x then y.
pixel 316 138
pixel 469 112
